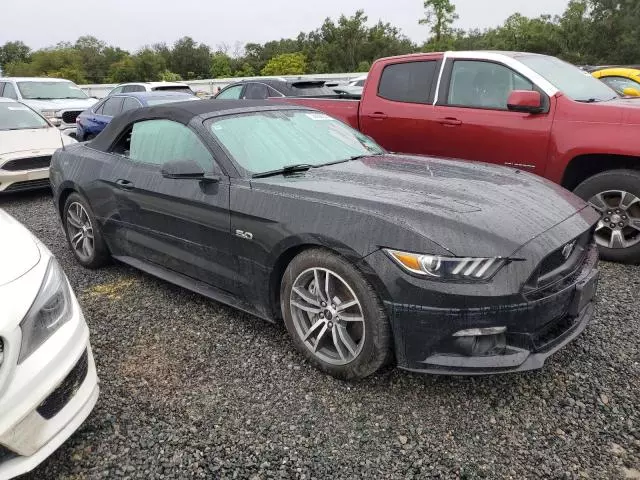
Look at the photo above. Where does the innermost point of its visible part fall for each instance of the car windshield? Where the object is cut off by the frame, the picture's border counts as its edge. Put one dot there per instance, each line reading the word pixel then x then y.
pixel 44 90
pixel 270 140
pixel 570 80
pixel 14 116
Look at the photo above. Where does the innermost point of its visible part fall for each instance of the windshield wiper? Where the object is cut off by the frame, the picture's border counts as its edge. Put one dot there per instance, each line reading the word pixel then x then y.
pixel 39 98
pixel 300 167
pixel 596 100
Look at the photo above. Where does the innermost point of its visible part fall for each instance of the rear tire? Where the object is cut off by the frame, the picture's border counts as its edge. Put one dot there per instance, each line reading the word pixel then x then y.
pixel 342 329
pixel 616 195
pixel 83 233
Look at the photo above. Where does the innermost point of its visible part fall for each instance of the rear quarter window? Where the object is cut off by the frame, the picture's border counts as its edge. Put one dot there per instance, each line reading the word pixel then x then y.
pixel 409 82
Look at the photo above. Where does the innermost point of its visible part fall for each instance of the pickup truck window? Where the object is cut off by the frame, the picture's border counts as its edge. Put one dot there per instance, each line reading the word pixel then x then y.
pixel 408 82
pixel 573 82
pixel 479 84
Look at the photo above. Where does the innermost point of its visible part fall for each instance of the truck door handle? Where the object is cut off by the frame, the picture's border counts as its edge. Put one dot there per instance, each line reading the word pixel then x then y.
pixel 378 115
pixel 124 184
pixel 450 122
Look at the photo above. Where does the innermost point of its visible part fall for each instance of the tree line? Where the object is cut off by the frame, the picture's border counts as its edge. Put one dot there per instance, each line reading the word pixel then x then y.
pixel 588 32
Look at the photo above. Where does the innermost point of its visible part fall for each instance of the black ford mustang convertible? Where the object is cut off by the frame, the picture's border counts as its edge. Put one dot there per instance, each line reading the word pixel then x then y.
pixel 368 257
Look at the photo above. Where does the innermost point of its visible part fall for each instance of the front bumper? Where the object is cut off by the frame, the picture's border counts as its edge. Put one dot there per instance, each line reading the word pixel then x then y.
pixel 535 325
pixel 23 180
pixel 45 399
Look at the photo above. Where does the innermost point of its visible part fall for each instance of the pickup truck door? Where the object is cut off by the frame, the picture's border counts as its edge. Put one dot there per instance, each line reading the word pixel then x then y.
pixel 473 121
pixel 398 112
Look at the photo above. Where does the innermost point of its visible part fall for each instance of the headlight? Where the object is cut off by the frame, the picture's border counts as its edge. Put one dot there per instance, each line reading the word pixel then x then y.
pixel 50 310
pixel 448 268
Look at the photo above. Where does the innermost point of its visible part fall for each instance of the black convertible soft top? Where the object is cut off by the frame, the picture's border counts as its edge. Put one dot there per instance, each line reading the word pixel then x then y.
pixel 182 112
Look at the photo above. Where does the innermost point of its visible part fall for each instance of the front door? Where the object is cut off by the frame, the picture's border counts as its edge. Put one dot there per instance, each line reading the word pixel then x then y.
pixel 474 122
pixel 179 224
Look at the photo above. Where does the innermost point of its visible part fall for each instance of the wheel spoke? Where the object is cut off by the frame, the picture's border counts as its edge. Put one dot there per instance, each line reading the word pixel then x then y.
pixel 85 247
pixel 634 223
pixel 617 239
pixel 313 328
pixel 601 225
pixel 74 220
pixel 338 344
pixel 627 199
pixel 345 305
pixel 76 239
pixel 306 296
pixel 306 308
pixel 598 202
pixel 346 340
pixel 316 276
pixel 320 336
pixel 351 318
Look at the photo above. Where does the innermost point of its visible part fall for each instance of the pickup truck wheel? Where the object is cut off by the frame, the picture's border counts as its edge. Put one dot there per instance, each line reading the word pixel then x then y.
pixel 334 316
pixel 616 195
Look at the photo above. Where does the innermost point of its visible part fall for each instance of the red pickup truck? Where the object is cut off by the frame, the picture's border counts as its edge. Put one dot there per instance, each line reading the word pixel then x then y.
pixel 531 112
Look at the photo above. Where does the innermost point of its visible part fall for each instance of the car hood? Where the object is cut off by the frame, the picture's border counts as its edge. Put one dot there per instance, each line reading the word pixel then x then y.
pixel 32 139
pixel 468 208
pixel 61 103
pixel 19 252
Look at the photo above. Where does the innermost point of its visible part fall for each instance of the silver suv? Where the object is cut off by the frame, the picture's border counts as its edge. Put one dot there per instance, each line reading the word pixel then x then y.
pixel 59 101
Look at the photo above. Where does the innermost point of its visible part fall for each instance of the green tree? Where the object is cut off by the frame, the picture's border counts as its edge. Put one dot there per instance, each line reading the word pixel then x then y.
pixel 13 52
pixel 221 66
pixel 168 76
pixel 189 59
pixel 439 16
pixel 123 71
pixel 286 64
pixel 149 65
pixel 245 70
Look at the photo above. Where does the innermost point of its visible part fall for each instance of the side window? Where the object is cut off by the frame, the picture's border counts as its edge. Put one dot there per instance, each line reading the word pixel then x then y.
pixel 618 84
pixel 99 107
pixel 160 141
pixel 231 93
pixel 9 91
pixel 479 84
pixel 112 107
pixel 116 90
pixel 274 93
pixel 407 82
pixel 256 91
pixel 130 103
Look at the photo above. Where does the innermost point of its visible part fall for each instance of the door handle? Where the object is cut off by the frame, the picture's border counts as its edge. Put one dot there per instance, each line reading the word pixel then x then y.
pixel 124 184
pixel 378 115
pixel 449 122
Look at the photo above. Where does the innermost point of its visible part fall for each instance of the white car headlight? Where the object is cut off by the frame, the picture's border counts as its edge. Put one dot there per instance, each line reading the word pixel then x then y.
pixel 50 310
pixel 448 268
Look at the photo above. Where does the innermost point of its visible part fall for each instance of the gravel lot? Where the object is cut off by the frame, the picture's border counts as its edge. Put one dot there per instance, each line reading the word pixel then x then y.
pixel 193 389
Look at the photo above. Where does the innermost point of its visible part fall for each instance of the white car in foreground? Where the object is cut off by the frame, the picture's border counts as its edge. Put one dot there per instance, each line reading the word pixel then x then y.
pixel 48 381
pixel 27 142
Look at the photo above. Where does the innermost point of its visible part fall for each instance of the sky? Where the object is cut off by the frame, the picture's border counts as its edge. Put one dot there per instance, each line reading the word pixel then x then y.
pixel 131 24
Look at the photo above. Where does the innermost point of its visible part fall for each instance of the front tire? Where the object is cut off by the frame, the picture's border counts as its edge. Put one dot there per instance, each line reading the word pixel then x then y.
pixel 83 233
pixel 334 316
pixel 616 195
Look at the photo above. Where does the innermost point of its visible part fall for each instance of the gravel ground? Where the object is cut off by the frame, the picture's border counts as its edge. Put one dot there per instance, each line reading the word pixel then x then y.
pixel 193 389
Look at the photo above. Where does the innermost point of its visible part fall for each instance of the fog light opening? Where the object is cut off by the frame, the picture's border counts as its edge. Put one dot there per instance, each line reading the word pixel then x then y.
pixel 478 342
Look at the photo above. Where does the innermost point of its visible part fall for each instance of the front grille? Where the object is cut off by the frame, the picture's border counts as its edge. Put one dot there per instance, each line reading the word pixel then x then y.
pixel 70 116
pixel 31 163
pixel 55 402
pixel 28 185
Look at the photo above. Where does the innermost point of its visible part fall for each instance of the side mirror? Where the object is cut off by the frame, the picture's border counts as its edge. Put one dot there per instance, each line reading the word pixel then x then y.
pixel 186 170
pixel 525 101
pixel 631 92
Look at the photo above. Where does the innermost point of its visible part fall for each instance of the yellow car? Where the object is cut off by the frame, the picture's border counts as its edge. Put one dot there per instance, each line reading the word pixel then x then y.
pixel 625 81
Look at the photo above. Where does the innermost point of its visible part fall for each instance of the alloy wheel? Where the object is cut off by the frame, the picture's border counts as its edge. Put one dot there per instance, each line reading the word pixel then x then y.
pixel 80 231
pixel 327 316
pixel 619 225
